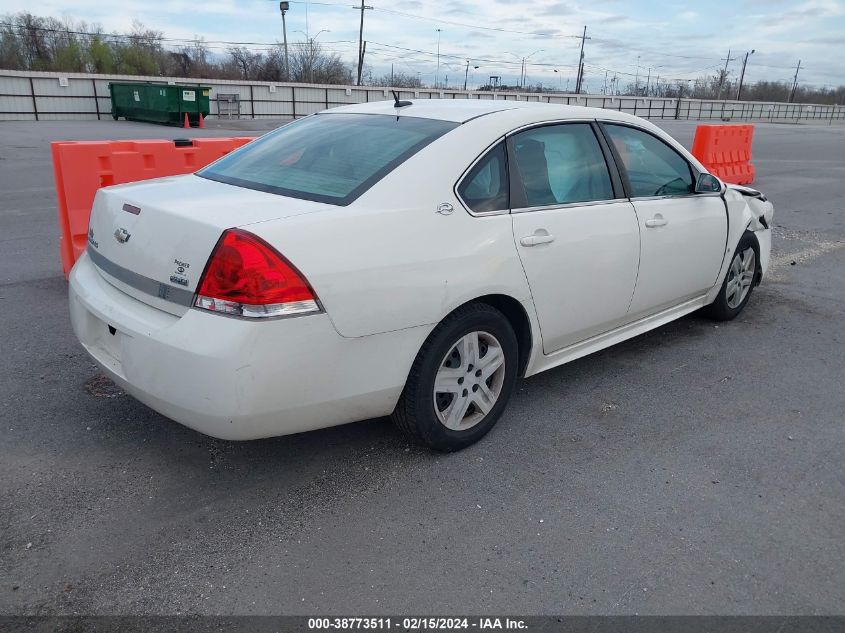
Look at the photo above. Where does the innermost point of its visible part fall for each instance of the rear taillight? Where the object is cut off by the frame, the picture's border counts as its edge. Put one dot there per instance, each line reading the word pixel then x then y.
pixel 247 277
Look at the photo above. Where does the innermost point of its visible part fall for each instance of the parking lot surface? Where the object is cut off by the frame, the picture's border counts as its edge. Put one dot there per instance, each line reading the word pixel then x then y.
pixel 695 469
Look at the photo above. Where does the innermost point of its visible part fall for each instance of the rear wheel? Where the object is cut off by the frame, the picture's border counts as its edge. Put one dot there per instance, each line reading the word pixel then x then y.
pixel 461 379
pixel 739 281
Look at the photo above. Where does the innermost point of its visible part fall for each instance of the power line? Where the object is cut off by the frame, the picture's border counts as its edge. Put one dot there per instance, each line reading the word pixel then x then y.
pixel 268 46
pixel 440 20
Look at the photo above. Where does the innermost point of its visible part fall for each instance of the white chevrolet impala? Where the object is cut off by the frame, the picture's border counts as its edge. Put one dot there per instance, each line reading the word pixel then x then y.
pixel 410 259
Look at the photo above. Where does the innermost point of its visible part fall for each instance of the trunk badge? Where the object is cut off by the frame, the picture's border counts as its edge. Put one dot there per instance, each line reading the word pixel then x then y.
pixel 122 235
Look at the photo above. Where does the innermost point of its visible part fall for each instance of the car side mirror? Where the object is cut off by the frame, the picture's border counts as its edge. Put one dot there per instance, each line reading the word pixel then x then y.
pixel 708 183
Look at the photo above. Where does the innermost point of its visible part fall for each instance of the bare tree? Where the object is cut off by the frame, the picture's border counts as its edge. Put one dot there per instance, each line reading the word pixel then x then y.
pixel 245 60
pixel 308 63
pixel 397 80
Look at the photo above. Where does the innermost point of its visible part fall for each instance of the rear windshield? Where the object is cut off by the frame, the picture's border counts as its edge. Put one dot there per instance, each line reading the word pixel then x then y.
pixel 327 157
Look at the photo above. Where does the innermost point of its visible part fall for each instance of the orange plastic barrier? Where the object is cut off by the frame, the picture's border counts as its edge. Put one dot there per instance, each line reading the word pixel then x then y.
pixel 726 151
pixel 82 167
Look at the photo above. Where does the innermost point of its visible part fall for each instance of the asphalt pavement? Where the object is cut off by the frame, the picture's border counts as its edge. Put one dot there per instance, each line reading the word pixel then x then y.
pixel 697 469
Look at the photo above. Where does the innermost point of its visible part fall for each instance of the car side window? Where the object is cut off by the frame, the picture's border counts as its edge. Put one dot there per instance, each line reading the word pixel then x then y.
pixel 561 164
pixel 485 188
pixel 654 168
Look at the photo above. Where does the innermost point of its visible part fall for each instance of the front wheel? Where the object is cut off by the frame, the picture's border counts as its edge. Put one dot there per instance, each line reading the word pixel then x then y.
pixel 461 379
pixel 739 281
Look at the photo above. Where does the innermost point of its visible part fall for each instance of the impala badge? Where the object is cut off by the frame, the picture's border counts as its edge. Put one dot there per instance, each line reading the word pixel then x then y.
pixel 122 235
pixel 444 208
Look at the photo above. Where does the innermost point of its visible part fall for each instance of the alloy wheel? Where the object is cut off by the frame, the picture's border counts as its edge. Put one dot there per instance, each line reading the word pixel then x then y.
pixel 740 277
pixel 469 381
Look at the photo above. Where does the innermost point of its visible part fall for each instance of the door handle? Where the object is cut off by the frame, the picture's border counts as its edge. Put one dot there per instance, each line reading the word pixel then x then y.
pixel 657 220
pixel 534 240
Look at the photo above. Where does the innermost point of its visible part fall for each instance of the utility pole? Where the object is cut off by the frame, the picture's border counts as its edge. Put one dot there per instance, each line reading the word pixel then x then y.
pixel 724 76
pixel 579 78
pixel 742 76
pixel 647 82
pixel 604 90
pixel 466 75
pixel 361 40
pixel 283 7
pixel 794 82
pixel 522 75
pixel 637 80
pixel 437 73
pixel 391 74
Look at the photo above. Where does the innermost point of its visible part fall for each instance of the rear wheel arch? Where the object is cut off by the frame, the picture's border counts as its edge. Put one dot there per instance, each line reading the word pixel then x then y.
pixel 516 315
pixel 433 375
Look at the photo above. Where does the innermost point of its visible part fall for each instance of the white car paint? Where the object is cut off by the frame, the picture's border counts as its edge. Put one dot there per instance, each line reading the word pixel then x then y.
pixel 595 252
pixel 387 269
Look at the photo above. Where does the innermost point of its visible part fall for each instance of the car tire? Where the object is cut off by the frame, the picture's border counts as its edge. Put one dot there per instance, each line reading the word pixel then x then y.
pixel 743 274
pixel 456 392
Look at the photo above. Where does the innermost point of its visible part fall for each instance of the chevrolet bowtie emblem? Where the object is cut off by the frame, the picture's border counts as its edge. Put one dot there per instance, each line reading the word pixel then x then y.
pixel 122 235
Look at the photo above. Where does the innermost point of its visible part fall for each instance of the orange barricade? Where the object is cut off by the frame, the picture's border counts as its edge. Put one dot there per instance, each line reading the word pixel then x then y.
pixel 726 151
pixel 82 167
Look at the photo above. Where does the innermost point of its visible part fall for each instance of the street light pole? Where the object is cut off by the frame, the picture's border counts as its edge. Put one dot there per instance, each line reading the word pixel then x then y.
pixel 311 52
pixel 283 7
pixel 742 76
pixel 437 73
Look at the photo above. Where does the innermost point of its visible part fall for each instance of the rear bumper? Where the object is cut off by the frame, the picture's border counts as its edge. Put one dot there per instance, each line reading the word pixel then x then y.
pixel 235 379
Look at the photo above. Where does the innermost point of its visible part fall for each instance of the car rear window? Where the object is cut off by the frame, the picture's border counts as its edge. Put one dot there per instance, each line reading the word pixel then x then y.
pixel 327 157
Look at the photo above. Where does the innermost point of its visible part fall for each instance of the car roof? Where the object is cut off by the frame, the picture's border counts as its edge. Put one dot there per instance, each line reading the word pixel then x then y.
pixel 463 110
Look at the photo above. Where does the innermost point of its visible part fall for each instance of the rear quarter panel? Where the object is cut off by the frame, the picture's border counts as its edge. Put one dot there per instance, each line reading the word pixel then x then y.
pixel 389 260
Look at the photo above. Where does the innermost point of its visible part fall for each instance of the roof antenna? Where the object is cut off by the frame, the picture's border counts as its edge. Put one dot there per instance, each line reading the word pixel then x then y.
pixel 397 102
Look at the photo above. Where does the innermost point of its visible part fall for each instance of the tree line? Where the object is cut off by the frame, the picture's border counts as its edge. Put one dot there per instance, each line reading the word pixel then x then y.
pixel 29 42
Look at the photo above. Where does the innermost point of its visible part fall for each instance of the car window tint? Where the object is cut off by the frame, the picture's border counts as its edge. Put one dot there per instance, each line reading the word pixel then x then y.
pixel 654 168
pixel 485 187
pixel 330 157
pixel 560 164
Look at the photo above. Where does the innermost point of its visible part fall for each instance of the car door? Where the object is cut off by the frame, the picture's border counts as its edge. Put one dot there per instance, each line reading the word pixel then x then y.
pixel 683 234
pixel 575 232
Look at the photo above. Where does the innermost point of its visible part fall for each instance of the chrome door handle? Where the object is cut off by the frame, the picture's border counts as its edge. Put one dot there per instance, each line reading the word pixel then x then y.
pixel 533 240
pixel 656 221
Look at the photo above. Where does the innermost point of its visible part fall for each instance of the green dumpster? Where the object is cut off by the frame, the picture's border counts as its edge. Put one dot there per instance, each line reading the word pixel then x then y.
pixel 159 103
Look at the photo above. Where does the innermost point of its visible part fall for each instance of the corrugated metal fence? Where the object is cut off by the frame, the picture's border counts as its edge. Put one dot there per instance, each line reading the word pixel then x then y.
pixel 52 96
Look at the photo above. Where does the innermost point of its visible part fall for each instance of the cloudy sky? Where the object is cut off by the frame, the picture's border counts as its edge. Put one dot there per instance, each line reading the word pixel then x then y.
pixel 675 40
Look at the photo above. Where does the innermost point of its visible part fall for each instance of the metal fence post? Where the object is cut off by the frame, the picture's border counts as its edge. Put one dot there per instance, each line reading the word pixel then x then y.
pixel 34 104
pixel 96 100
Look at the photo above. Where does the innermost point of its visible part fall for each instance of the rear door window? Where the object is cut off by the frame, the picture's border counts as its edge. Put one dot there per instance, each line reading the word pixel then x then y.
pixel 327 157
pixel 561 164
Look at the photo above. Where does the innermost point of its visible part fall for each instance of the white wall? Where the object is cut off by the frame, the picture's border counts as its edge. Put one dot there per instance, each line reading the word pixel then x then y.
pixel 45 96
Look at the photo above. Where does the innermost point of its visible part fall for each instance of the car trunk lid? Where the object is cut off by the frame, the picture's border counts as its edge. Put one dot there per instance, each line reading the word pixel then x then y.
pixel 152 239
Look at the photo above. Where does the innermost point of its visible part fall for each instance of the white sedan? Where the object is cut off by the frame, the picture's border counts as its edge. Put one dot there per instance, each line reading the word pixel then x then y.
pixel 409 259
